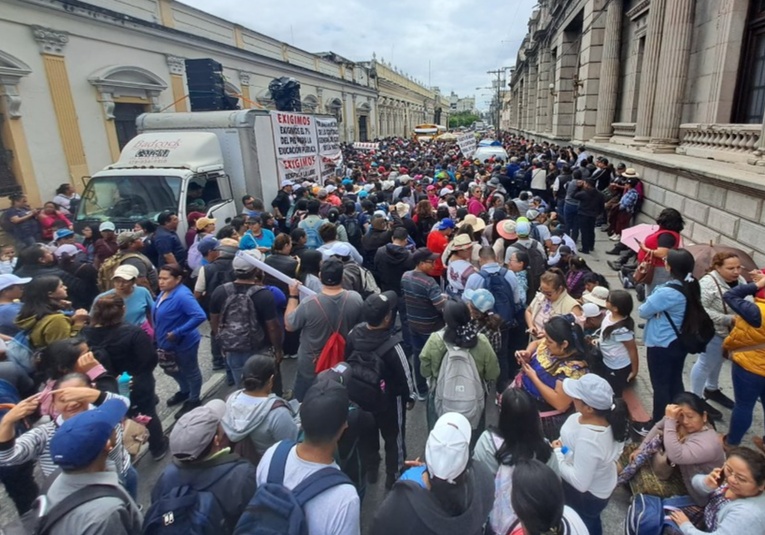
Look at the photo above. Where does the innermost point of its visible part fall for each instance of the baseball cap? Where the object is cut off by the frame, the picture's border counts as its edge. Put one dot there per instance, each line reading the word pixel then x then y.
pixel 126 271
pixel 378 306
pixel 202 222
pixel 81 438
pixel 62 233
pixel 423 254
pixel 67 249
pixel 331 272
pixel 196 429
pixel 338 248
pixel 481 298
pixel 446 223
pixel 591 310
pixel 447 450
pixel 404 179
pixel 531 215
pixel 8 279
pixel 226 242
pixel 331 188
pixel 106 225
pixel 286 183
pixel 556 240
pixel 207 244
pixel 241 264
pixel 522 228
pixel 324 408
pixel 592 389
pixel 444 192
pixel 124 238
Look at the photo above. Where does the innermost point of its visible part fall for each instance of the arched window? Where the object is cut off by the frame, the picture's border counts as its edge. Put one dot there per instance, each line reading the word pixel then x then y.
pixel 310 104
pixel 335 108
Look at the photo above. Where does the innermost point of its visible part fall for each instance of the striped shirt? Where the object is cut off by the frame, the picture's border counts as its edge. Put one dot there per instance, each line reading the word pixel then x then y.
pixel 35 444
pixel 424 302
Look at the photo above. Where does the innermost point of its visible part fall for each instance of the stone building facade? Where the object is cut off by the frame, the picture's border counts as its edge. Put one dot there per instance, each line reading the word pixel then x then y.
pixel 673 88
pixel 75 75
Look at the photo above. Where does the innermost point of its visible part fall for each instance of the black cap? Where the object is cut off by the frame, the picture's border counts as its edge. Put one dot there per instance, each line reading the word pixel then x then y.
pixel 378 306
pixel 423 254
pixel 324 409
pixel 499 215
pixel 331 272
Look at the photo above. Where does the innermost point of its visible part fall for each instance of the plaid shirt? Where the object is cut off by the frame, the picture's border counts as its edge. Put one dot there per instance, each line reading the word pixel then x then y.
pixel 628 201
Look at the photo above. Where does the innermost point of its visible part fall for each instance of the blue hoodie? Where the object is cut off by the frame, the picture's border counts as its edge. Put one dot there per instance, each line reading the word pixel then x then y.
pixel 180 314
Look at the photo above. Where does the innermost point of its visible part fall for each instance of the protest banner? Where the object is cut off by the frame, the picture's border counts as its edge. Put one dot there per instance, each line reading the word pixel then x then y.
pixel 467 144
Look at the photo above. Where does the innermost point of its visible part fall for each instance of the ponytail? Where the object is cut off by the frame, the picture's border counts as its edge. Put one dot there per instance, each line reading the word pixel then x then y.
pixel 617 417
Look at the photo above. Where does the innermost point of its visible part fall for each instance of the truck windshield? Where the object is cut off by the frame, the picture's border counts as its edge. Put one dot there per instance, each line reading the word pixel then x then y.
pixel 121 199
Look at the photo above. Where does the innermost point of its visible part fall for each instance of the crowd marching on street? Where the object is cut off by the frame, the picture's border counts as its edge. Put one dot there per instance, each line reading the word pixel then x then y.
pixel 417 275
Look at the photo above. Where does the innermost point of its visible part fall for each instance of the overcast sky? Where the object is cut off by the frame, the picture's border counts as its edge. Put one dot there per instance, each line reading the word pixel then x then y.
pixel 462 39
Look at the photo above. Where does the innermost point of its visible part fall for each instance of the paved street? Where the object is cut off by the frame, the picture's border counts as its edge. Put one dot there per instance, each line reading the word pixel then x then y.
pixel 416 433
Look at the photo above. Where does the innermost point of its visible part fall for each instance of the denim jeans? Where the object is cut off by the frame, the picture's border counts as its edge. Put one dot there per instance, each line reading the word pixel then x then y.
pixel 129 481
pixel 570 217
pixel 748 387
pixel 418 342
pixel 189 376
pixel 406 335
pixel 665 367
pixel 706 371
pixel 235 361
pixel 301 386
pixel 587 505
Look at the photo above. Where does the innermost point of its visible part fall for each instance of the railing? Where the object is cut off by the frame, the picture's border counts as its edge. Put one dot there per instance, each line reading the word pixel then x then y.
pixel 724 142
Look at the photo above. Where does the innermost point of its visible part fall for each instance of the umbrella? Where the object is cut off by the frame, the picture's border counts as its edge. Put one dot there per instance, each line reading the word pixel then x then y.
pixel 703 254
pixel 640 232
pixel 448 136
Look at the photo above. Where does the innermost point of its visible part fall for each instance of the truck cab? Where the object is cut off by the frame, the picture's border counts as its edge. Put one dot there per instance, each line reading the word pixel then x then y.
pixel 181 172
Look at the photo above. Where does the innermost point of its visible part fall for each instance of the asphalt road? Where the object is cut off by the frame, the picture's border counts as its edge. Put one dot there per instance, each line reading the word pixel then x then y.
pixel 416 434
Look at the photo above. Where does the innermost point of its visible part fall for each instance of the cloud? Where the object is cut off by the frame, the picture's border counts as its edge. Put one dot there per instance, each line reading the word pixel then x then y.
pixel 445 43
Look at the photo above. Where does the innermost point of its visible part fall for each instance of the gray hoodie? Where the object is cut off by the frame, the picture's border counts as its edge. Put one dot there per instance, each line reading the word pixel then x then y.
pixel 259 419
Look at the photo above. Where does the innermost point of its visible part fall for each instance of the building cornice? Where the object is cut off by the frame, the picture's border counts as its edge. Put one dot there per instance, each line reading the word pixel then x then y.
pixel 640 9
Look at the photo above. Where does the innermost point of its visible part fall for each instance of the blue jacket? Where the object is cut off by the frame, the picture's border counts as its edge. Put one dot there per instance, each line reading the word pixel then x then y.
pixel 180 314
pixel 658 331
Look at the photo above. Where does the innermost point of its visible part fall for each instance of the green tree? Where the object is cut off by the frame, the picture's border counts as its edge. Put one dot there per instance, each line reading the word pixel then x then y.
pixel 464 118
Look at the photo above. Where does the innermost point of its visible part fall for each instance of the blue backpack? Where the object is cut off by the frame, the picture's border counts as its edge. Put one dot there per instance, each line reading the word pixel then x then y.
pixel 645 516
pixel 313 240
pixel 277 510
pixel 187 508
pixel 504 300
pixel 20 351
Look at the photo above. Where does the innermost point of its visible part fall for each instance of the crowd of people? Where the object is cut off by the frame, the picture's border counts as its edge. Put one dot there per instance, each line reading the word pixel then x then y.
pixel 417 275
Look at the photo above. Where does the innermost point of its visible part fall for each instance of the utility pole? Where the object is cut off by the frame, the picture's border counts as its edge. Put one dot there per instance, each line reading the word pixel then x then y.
pixel 499 72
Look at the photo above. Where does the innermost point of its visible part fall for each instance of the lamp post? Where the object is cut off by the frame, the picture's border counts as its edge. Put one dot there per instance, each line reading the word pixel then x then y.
pixel 500 82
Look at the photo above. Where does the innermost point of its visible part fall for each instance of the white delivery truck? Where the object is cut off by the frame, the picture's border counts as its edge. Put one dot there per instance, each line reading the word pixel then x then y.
pixel 206 162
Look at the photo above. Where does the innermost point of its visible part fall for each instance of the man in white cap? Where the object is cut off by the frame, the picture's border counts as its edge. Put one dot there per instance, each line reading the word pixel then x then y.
pixel 201 461
pixel 106 245
pixel 11 290
pixel 282 203
pixel 447 494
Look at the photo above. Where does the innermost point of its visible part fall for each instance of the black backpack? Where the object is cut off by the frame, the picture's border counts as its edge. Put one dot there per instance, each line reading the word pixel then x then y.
pixel 693 335
pixel 367 386
pixel 240 330
pixel 354 230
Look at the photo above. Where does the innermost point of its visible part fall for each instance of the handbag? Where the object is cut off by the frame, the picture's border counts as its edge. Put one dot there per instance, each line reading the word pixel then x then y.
pixel 168 361
pixel 134 435
pixel 644 271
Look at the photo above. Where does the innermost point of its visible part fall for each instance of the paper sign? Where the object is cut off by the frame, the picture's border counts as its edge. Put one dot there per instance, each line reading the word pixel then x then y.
pixel 467 144
pixel 330 155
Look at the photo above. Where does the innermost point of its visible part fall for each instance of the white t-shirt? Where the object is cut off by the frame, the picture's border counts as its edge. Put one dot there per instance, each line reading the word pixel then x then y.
pixel 591 467
pixel 335 512
pixel 615 354
pixel 458 272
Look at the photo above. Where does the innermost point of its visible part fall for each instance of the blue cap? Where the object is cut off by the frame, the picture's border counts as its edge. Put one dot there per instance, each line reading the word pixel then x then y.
pixel 62 233
pixel 363 194
pixel 445 223
pixel 206 244
pixel 522 228
pixel 81 438
pixel 347 182
pixel 481 298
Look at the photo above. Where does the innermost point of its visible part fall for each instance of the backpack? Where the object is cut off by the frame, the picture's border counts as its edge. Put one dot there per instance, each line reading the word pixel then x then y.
pixel 367 386
pixel 245 448
pixel 359 279
pixel 459 388
pixel 21 351
pixel 645 516
pixel 313 240
pixel 6 224
pixel 186 508
pixel 534 234
pixel 334 349
pixel 108 267
pixel 537 266
pixel 34 523
pixel 239 329
pixel 276 510
pixel 694 336
pixel 504 300
pixel 354 230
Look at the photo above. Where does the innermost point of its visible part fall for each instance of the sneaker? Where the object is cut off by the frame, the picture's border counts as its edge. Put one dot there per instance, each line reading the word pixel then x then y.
pixel 640 291
pixel 158 456
pixel 616 266
pixel 712 413
pixel 615 237
pixel 615 251
pixel 718 397
pixel 218 365
pixel 178 398
pixel 187 406
pixel 422 397
pixel 290 356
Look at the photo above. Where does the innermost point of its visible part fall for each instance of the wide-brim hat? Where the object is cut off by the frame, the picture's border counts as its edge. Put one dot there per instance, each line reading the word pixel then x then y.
pixel 506 229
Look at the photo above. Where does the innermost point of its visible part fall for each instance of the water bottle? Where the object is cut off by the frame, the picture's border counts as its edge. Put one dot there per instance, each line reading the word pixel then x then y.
pixel 124 384
pixel 564 453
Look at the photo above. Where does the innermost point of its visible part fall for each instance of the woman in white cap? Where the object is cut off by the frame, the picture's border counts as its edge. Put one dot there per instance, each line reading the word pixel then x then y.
pixel 593 437
pixel 446 494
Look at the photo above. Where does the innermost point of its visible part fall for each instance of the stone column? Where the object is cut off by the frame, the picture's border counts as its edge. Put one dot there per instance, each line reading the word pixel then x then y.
pixel 649 72
pixel 672 75
pixel 609 72
pixel 543 88
pixel 532 100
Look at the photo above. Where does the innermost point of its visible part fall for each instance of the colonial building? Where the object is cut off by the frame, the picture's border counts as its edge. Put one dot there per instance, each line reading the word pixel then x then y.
pixel 674 88
pixel 404 103
pixel 75 75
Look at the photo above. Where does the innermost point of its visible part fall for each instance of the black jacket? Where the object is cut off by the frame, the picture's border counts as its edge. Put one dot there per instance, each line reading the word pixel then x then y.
pixel 123 348
pixel 397 378
pixel 410 509
pixel 391 262
pixel 591 202
pixel 285 264
pixel 81 291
